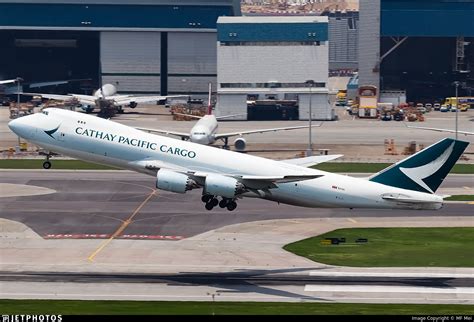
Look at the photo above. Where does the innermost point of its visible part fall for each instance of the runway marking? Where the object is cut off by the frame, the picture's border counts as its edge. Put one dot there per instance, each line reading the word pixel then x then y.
pixel 103 236
pixel 388 289
pixel 352 220
pixel 391 274
pixel 122 227
pixel 470 202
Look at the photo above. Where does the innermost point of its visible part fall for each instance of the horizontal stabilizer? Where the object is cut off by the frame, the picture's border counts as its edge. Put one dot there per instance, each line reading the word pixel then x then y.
pixel 313 160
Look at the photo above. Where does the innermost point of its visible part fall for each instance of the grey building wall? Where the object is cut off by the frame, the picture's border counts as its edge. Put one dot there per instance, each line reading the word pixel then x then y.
pixel 369 42
pixel 343 41
pixel 131 60
pixel 192 61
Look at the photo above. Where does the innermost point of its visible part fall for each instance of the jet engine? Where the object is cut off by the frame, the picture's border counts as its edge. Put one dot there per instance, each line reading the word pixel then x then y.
pixel 132 104
pixel 240 144
pixel 174 181
pixel 223 186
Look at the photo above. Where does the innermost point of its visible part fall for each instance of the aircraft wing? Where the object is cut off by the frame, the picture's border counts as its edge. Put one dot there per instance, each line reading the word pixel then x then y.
pixel 125 100
pixel 439 130
pixel 188 115
pixel 313 160
pixel 229 116
pixel 226 135
pixel 250 181
pixel 180 134
pixel 84 99
pixel 7 81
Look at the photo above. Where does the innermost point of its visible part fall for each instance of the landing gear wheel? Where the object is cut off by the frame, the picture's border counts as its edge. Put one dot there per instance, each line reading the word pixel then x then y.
pixel 206 198
pixel 46 164
pixel 231 205
pixel 223 203
pixel 214 202
pixel 209 206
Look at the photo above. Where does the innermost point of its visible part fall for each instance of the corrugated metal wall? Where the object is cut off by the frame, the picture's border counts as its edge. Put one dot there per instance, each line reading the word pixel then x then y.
pixel 132 59
pixel 229 104
pixel 191 62
pixel 369 42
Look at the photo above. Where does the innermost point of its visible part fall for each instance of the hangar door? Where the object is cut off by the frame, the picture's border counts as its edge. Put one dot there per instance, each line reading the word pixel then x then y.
pixel 131 61
pixel 192 61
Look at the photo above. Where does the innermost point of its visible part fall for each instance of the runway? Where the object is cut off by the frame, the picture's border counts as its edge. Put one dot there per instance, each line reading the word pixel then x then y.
pixel 109 235
pixel 100 204
pixel 282 285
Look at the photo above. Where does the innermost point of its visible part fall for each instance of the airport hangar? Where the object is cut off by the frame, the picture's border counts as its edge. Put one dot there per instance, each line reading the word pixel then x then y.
pixel 141 46
pixel 420 47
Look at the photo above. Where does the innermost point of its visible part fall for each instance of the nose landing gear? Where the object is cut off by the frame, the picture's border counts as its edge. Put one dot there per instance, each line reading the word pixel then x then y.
pixel 47 163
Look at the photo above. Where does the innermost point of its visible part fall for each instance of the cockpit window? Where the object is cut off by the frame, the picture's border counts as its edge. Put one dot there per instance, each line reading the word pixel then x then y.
pixel 45 112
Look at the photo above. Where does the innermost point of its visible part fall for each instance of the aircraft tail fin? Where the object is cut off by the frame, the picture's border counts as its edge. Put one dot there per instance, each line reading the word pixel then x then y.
pixel 209 104
pixel 425 170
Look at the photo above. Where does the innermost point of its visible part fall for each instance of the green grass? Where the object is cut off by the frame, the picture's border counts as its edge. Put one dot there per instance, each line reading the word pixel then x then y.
pixel 207 308
pixel 348 167
pixel 354 167
pixel 392 247
pixel 56 164
pixel 461 198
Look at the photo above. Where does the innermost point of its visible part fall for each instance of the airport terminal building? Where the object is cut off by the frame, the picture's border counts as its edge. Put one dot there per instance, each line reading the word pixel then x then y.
pixel 421 47
pixel 141 46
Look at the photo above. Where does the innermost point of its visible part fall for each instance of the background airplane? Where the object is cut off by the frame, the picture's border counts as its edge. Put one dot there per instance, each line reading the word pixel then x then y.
pixel 205 130
pixel 106 99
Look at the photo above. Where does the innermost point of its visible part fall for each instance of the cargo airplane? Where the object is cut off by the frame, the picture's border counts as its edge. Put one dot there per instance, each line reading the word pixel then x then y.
pixel 226 176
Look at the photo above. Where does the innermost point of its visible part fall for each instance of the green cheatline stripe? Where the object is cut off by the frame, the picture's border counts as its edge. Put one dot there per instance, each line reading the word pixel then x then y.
pixel 131 74
pixel 220 307
pixel 460 198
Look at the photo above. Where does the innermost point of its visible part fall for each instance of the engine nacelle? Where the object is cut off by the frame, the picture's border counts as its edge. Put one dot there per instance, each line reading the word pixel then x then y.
pixel 223 186
pixel 240 144
pixel 174 181
pixel 132 104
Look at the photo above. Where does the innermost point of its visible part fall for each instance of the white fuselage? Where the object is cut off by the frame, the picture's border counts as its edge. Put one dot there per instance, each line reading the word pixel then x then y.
pixel 103 141
pixel 203 132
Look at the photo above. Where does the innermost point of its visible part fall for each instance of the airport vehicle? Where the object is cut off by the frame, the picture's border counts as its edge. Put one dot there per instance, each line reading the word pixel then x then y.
pixel 444 108
pixel 341 98
pixel 436 106
pixel 452 101
pixel 106 99
pixel 463 108
pixel 367 101
pixel 179 166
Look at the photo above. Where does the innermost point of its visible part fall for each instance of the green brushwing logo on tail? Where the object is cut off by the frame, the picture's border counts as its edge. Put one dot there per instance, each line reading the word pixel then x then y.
pixel 425 170
pixel 51 132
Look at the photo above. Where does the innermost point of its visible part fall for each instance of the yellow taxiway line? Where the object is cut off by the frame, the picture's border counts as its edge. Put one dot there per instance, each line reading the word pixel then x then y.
pixel 121 228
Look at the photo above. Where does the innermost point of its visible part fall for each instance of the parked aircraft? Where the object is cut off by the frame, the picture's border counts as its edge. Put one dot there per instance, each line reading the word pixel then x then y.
pixel 106 99
pixel 226 176
pixel 205 130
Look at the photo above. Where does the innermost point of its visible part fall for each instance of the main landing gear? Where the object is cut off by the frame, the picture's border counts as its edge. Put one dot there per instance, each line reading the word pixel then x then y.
pixel 212 201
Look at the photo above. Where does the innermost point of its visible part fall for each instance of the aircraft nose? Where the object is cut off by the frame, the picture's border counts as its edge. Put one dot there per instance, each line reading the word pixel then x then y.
pixel 14 125
pixel 21 126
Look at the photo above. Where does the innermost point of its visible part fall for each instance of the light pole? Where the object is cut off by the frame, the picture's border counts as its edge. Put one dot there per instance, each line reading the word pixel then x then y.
pixel 309 152
pixel 18 80
pixel 456 83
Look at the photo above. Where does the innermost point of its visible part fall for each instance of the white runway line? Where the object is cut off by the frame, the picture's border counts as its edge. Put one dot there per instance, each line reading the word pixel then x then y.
pixel 389 289
pixel 391 274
